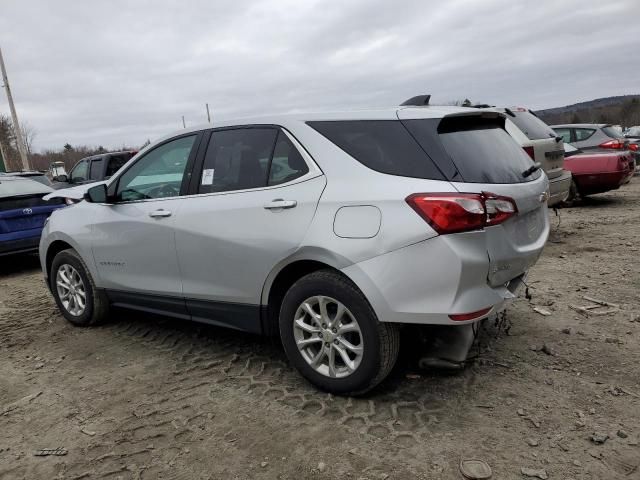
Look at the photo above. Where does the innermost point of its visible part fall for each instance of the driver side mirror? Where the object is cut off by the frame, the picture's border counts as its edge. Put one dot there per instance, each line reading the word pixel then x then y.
pixel 97 194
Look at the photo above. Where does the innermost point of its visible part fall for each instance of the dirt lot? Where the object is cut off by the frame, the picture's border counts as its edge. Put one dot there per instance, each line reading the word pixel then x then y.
pixel 145 397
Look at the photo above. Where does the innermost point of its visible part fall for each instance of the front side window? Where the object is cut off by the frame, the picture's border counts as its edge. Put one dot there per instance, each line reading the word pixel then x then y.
pixel 95 172
pixel 237 159
pixel 158 174
pixel 583 133
pixel 80 171
pixel 565 133
pixel 287 163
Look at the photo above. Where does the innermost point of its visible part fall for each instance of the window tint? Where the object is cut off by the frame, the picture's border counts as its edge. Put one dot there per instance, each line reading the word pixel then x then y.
pixel 158 174
pixel 583 133
pixel 382 145
pixel 96 169
pixel 79 172
pixel 237 159
pixel 612 132
pixel 531 126
pixel 115 163
pixel 565 133
pixel 287 163
pixel 478 150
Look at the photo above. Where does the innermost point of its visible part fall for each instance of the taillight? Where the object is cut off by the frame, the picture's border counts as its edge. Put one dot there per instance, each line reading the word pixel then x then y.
pixel 633 146
pixel 529 151
pixel 461 212
pixel 615 144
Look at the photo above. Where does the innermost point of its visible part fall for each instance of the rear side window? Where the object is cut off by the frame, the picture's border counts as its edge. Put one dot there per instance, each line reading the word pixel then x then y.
pixel 95 172
pixel 473 149
pixel 531 126
pixel 237 159
pixel 583 133
pixel 115 163
pixel 382 145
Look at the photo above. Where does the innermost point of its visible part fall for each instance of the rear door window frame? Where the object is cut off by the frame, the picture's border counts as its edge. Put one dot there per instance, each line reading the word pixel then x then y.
pixel 192 191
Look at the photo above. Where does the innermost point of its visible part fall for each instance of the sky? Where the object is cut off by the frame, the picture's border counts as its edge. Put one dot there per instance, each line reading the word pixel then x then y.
pixel 116 73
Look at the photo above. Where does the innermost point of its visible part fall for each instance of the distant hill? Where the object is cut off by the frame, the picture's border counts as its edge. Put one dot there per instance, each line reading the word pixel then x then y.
pixel 623 110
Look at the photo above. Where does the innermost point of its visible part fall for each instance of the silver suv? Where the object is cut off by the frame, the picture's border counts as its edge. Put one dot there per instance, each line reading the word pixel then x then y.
pixel 329 230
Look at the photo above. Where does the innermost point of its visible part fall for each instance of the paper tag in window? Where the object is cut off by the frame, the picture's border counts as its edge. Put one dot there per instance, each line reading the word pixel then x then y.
pixel 207 176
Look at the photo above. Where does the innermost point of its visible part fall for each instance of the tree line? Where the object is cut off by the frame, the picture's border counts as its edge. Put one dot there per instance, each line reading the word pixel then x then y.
pixel 68 154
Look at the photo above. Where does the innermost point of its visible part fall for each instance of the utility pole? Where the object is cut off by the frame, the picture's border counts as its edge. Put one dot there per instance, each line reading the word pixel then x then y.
pixel 16 125
pixel 208 115
pixel 184 125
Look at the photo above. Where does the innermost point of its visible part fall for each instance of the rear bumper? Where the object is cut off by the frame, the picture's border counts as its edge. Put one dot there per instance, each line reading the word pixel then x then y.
pixel 592 183
pixel 426 282
pixel 559 188
pixel 19 246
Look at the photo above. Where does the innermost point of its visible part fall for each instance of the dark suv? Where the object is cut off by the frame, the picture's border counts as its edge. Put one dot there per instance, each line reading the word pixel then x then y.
pixel 96 168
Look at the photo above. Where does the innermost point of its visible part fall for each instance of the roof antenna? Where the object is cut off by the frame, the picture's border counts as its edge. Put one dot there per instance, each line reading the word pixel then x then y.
pixel 417 101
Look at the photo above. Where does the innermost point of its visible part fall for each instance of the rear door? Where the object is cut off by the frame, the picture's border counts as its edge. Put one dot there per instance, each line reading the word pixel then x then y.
pixel 254 197
pixel 486 159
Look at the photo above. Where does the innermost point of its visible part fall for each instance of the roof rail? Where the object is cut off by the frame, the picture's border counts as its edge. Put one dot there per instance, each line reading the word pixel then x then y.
pixel 417 101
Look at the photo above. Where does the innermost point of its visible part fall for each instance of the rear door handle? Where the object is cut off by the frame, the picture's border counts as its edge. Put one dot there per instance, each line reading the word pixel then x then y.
pixel 160 213
pixel 279 203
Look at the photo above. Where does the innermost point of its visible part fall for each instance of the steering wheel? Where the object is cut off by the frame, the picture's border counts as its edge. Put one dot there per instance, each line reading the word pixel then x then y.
pixel 163 191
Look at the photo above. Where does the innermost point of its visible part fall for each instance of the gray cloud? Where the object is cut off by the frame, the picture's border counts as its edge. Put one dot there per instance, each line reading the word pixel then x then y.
pixel 111 73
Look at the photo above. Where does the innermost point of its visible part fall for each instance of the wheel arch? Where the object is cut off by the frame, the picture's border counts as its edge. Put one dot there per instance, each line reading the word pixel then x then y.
pixel 286 273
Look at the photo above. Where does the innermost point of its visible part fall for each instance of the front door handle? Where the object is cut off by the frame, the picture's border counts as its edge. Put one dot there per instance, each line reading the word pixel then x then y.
pixel 279 203
pixel 160 213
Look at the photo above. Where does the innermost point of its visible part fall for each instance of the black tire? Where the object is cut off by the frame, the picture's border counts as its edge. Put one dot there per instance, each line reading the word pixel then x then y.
pixel 573 195
pixel 96 309
pixel 381 340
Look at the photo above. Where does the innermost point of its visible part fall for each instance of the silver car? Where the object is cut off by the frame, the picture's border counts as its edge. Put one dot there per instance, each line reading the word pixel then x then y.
pixel 330 230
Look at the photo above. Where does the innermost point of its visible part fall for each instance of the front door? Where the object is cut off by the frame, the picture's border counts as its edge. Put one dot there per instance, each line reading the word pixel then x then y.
pixel 134 242
pixel 255 197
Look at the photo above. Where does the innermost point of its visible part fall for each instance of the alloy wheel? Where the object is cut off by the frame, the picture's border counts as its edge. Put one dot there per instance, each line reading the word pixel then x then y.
pixel 71 290
pixel 328 336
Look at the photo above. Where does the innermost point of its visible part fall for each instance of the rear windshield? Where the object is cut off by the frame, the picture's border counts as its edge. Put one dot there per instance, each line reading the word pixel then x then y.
pixel 612 132
pixel 382 145
pixel 11 188
pixel 473 149
pixel 531 126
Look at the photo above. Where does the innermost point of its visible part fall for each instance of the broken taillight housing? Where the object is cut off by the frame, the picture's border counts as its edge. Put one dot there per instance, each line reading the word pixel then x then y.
pixel 462 212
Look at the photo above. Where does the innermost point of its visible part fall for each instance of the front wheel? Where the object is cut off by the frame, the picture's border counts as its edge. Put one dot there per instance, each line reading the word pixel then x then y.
pixel 78 299
pixel 332 336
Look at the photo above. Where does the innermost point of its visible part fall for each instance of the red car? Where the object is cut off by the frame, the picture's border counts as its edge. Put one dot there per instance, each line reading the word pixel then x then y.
pixel 597 171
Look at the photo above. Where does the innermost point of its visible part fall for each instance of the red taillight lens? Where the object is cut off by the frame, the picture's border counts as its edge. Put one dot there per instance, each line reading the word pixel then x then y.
pixel 633 146
pixel 461 212
pixel 529 151
pixel 469 316
pixel 615 144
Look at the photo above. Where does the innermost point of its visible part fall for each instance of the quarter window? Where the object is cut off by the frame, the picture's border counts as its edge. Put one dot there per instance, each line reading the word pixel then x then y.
pixel 159 173
pixel 287 163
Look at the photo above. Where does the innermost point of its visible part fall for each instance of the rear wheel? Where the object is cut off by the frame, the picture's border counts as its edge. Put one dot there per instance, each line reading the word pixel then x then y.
pixel 78 299
pixel 333 337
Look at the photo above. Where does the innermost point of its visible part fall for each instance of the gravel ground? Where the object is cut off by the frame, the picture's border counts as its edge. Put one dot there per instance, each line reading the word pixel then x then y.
pixel 146 397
